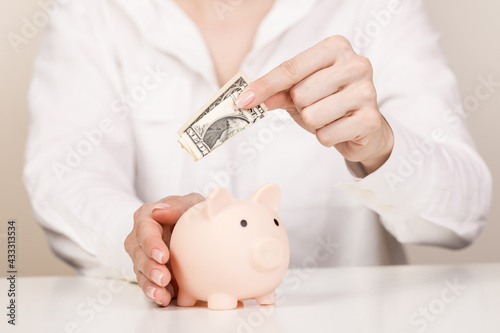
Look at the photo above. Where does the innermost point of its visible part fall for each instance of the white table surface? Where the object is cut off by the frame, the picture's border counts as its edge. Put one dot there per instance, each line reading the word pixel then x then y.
pixel 358 299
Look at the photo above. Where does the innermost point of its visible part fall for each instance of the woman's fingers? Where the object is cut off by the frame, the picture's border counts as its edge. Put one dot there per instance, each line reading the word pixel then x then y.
pixel 281 100
pixel 331 108
pixel 149 235
pixel 147 244
pixel 329 81
pixel 291 72
pixel 329 91
pixel 170 209
pixel 153 279
pixel 154 292
pixel 159 274
pixel 355 127
pixel 167 297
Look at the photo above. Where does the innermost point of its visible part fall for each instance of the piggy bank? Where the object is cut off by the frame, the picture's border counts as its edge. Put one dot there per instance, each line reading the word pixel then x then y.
pixel 224 249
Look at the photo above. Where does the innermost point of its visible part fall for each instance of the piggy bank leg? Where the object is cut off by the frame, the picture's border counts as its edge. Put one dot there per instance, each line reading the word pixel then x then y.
pixel 184 299
pixel 221 301
pixel 267 299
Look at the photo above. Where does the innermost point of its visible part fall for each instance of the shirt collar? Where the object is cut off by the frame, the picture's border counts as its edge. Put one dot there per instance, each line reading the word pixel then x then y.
pixel 167 27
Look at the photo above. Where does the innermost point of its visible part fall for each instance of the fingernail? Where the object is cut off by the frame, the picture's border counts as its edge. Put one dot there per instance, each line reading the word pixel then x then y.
pixel 158 302
pixel 161 205
pixel 157 255
pixel 150 291
pixel 244 99
pixel 156 276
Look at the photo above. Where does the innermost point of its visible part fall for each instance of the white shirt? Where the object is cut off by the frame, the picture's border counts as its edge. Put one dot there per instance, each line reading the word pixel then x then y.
pixel 92 160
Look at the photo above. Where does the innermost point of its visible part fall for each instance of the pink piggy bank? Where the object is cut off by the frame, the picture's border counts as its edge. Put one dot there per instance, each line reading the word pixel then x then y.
pixel 224 249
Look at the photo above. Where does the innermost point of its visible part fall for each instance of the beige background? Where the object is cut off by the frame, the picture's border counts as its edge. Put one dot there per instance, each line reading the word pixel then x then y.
pixel 471 35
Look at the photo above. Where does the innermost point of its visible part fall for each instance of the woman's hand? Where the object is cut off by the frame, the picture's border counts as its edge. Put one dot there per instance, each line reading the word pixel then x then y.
pixel 329 91
pixel 148 243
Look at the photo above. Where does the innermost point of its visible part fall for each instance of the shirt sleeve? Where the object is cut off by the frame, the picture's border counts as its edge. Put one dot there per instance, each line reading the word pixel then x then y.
pixel 79 164
pixel 434 188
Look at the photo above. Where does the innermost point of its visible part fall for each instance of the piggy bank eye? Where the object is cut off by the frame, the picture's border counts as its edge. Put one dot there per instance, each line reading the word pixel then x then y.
pixel 243 223
pixel 276 222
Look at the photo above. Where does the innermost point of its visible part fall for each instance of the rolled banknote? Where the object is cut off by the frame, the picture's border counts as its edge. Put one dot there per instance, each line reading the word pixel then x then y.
pixel 218 120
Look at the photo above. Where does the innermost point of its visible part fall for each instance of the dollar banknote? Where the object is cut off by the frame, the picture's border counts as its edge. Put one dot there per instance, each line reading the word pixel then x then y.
pixel 219 120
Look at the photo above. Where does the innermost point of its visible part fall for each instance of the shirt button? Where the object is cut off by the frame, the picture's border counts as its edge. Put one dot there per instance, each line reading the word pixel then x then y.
pixel 366 192
pixel 385 207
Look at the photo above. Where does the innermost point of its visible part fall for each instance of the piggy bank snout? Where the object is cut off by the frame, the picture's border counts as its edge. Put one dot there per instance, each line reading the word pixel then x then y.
pixel 268 254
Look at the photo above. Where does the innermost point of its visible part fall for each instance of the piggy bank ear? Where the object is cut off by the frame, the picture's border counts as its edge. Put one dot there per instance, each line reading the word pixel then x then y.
pixel 268 194
pixel 217 200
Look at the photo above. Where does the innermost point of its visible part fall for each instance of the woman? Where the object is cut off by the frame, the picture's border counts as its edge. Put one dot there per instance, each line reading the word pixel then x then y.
pixel 378 158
